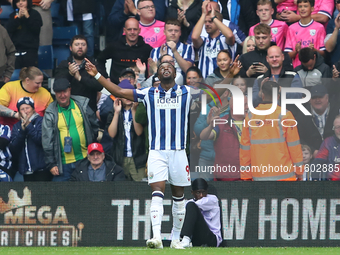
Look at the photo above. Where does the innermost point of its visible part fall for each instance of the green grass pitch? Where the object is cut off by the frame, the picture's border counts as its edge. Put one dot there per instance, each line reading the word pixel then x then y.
pixel 168 251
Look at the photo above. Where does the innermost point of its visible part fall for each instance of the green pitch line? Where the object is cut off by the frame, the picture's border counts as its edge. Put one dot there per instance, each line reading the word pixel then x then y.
pixel 167 251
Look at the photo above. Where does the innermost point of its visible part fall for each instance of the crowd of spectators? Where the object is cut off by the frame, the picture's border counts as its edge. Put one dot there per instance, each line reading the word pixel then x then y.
pixel 78 132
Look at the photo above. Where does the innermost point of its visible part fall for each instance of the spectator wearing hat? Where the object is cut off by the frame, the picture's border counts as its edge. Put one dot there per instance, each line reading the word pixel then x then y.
pixel 73 69
pixel 68 127
pixel 96 168
pixel 313 129
pixel 26 145
pixel 127 134
pixel 126 74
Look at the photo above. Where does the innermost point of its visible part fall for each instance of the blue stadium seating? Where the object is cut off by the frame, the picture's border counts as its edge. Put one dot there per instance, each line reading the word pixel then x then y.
pixel 15 75
pixel 6 11
pixel 61 40
pixel 45 57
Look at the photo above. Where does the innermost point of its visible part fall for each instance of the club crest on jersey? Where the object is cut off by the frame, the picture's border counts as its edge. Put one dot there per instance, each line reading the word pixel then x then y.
pixel 157 29
pixel 274 30
pixel 168 103
pixel 312 32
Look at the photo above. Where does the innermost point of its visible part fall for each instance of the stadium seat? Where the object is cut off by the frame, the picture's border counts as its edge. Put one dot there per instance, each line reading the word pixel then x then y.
pixel 61 53
pixel 63 35
pixel 55 9
pixel 57 20
pixel 45 57
pixel 61 40
pixel 6 11
pixel 15 75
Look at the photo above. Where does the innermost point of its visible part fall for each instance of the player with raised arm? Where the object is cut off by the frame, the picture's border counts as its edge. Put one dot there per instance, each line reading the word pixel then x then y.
pixel 167 108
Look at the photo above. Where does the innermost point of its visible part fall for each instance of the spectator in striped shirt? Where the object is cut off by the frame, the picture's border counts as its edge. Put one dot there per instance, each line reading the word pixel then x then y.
pixel 5 154
pixel 219 37
pixel 183 54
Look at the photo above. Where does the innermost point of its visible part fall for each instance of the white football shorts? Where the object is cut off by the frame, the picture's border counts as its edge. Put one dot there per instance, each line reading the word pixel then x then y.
pixel 169 165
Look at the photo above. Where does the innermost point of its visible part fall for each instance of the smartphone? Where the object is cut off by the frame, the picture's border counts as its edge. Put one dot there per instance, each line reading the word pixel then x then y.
pixel 256 63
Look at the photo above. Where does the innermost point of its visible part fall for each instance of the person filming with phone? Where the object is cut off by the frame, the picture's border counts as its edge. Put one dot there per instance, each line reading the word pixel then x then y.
pixel 254 63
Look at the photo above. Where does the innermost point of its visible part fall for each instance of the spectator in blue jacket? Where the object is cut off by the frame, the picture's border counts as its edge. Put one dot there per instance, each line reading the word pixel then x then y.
pixel 26 146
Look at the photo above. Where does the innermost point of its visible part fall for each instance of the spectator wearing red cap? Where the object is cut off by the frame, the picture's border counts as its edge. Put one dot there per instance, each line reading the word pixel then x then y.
pixel 96 168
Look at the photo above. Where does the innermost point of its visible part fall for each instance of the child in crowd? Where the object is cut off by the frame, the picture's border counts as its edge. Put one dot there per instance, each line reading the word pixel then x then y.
pixel 278 28
pixel 307 158
pixel 305 33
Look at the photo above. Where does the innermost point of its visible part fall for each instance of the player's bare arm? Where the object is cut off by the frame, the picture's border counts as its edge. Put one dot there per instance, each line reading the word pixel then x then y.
pixel 110 86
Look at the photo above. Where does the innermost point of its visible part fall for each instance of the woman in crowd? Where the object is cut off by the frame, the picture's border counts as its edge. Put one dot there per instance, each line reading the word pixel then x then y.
pixel 187 12
pixel 248 44
pixel 29 85
pixel 23 28
pixel 224 62
pixel 241 83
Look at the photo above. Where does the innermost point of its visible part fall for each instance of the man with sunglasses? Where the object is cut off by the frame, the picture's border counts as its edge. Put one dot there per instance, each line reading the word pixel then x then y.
pixel 167 108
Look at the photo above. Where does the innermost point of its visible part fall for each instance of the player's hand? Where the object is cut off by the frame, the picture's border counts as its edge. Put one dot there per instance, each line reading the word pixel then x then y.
pixel 311 46
pixel 141 66
pixel 117 104
pixel 90 68
pixel 54 170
